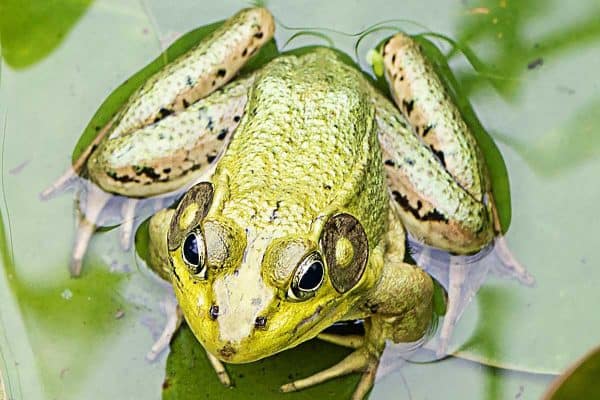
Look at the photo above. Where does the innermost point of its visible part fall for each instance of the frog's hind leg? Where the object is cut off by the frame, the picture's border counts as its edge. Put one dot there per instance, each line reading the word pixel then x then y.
pixel 427 105
pixel 435 169
pixel 192 76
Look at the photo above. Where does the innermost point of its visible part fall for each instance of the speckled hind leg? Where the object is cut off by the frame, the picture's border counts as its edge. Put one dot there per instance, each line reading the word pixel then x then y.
pixel 173 129
pixel 195 74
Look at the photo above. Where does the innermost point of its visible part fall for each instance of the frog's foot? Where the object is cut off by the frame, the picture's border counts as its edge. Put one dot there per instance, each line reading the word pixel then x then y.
pixel 350 341
pixel 87 218
pixel 174 320
pixel 510 265
pixel 361 360
pixel 128 214
pixel 77 166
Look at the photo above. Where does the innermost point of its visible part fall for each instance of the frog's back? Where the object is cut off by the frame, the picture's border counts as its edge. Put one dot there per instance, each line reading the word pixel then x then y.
pixel 305 143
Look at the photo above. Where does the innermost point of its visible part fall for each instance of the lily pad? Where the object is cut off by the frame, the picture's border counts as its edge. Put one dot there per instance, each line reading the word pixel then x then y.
pixel 30 31
pixel 525 68
pixel 189 375
pixel 578 382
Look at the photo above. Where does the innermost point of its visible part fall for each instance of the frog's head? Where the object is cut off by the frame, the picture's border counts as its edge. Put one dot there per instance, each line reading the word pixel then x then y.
pixel 247 295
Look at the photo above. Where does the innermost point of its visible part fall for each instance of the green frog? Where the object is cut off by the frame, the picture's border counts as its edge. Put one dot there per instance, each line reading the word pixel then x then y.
pixel 301 181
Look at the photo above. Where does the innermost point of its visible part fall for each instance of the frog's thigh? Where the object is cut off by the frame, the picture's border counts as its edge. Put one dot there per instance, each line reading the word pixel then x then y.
pixel 402 303
pixel 433 206
pixel 173 152
pixel 424 101
pixel 157 246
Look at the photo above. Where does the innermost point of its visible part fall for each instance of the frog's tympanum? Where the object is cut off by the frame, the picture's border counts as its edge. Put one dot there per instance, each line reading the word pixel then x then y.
pixel 302 179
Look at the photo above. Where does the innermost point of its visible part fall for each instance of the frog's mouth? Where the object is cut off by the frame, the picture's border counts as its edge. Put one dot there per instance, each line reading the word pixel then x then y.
pixel 266 342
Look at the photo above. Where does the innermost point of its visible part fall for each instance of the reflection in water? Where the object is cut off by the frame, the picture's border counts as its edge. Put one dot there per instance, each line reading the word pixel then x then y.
pixel 503 27
pixel 31 30
pixel 565 147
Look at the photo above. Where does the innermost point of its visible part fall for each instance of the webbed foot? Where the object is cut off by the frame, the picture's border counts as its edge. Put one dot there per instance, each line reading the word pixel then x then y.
pixel 88 215
pixel 361 360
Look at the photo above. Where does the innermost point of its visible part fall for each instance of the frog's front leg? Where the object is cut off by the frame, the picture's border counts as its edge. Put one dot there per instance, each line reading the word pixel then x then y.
pixel 400 308
pixel 159 263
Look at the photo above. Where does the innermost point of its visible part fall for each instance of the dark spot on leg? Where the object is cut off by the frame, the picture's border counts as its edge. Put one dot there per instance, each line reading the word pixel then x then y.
pixel 148 171
pixel 223 134
pixel 189 81
pixel 389 163
pixel 394 58
pixel 384 46
pixel 210 125
pixel 409 161
pixel 211 157
pixel 245 52
pixel 327 187
pixel 433 215
pixel 259 35
pixel 426 130
pixel 408 106
pixel 439 154
pixel 221 72
pixel 185 103
pixel 237 118
pixel 166 170
pixel 214 83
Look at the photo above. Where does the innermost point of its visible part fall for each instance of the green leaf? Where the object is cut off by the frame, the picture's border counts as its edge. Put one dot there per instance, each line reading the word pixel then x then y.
pixel 31 30
pixel 580 381
pixel 189 374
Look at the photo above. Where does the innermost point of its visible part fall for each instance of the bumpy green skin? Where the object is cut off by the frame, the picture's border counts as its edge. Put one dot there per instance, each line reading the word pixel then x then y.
pixel 305 149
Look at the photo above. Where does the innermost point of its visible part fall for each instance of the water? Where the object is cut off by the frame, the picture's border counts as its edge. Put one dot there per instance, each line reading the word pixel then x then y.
pixel 534 91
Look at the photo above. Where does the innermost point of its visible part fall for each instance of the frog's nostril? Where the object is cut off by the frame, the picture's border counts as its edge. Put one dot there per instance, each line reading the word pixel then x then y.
pixel 214 312
pixel 227 352
pixel 260 322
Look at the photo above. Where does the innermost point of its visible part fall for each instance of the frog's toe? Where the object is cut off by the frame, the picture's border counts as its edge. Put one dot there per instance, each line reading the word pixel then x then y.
pixel 358 361
pixel 350 341
pixel 220 370
pixel 174 320
pixel 128 214
pixel 510 265
pixel 88 214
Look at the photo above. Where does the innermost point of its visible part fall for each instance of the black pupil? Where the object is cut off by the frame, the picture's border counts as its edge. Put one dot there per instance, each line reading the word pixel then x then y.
pixel 312 277
pixel 190 250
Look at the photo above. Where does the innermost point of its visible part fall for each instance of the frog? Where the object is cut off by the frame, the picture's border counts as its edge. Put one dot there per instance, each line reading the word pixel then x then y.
pixel 301 182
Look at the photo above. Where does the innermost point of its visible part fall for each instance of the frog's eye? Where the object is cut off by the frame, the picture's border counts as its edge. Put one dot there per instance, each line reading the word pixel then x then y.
pixel 308 277
pixel 193 252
